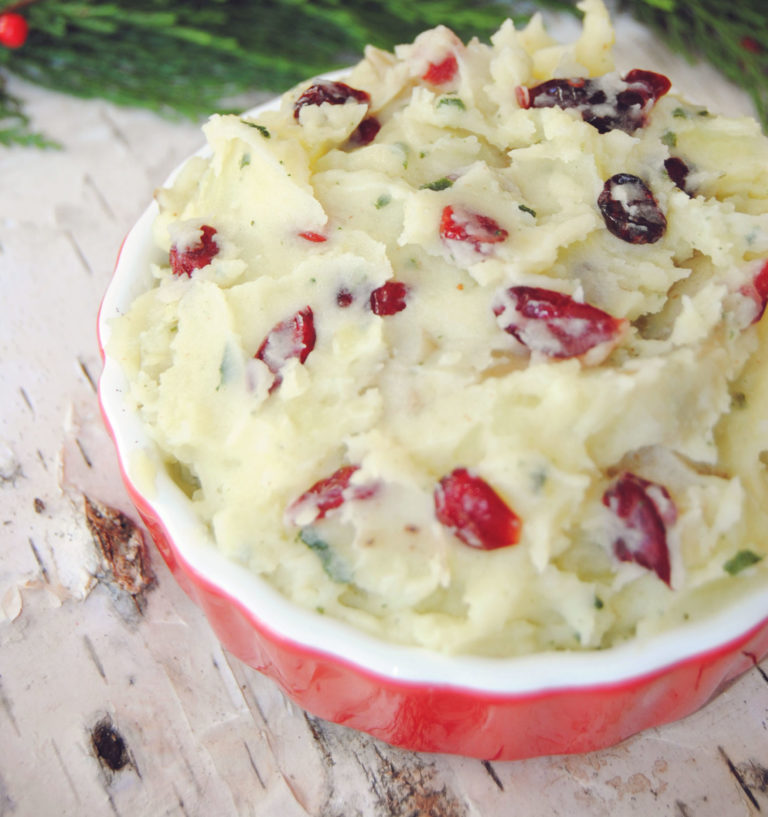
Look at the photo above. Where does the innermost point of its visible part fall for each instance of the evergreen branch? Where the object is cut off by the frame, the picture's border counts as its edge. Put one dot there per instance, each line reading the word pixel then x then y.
pixel 115 49
pixel 14 124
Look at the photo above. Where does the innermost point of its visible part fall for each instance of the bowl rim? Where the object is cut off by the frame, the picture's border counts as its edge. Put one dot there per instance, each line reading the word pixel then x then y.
pixel 536 673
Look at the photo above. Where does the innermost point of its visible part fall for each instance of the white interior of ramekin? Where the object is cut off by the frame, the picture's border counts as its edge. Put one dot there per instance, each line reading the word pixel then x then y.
pixel 519 675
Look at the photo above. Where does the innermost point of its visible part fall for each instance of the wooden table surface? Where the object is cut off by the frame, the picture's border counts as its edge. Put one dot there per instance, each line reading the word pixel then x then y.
pixel 117 704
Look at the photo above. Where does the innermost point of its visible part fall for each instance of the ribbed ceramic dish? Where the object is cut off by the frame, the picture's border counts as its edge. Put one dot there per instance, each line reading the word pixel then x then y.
pixel 503 709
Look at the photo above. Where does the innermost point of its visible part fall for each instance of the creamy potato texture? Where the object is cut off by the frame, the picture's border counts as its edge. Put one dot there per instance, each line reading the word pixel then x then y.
pixel 467 350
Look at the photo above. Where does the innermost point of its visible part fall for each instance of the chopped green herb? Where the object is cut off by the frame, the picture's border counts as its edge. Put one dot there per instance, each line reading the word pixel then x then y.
pixel 245 160
pixel 405 149
pixel 527 209
pixel 680 113
pixel 738 400
pixel 260 128
pixel 703 112
pixel 382 201
pixel 334 566
pixel 438 184
pixel 669 139
pixel 538 479
pixel 741 561
pixel 599 603
pixel 451 100
pixel 228 367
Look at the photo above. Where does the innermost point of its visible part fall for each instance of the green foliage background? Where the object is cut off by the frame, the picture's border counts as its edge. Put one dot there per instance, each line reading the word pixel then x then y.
pixel 185 58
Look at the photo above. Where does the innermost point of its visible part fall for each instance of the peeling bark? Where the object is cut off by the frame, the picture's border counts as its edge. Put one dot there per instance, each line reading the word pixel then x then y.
pixel 122 546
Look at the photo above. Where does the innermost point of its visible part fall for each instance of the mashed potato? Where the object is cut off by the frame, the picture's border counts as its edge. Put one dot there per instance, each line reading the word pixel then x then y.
pixel 466 349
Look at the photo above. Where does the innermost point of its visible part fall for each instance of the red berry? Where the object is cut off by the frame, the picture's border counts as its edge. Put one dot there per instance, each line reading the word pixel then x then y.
pixel 474 512
pixel 13 30
pixel 389 298
pixel 291 338
pixel 604 104
pixel 634 215
pixel 365 132
pixel 750 44
pixel 316 238
pixel 334 93
pixel 199 255
pixel 644 510
pixel 458 224
pixel 441 72
pixel 326 495
pixel 555 325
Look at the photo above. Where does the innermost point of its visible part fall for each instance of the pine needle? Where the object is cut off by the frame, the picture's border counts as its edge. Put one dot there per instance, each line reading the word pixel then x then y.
pixel 15 126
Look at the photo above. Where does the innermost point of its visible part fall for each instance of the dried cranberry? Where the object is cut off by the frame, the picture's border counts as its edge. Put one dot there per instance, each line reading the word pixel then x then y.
pixel 643 89
pixel 556 93
pixel 554 324
pixel 441 72
pixel 389 298
pixel 604 103
pixel 760 283
pixel 757 291
pixel 633 216
pixel 645 510
pixel 334 93
pixel 291 338
pixel 326 495
pixel 652 84
pixel 365 132
pixel 198 255
pixel 344 298
pixel 677 170
pixel 316 238
pixel 474 512
pixel 458 224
